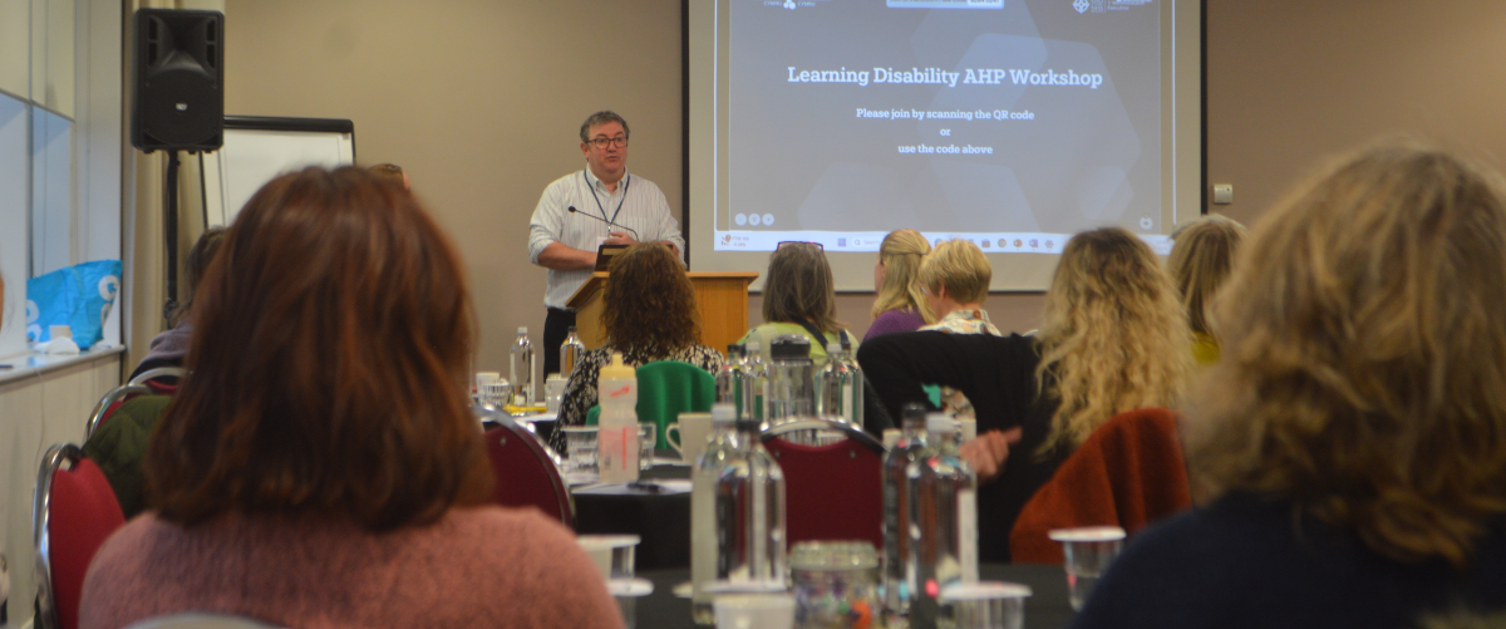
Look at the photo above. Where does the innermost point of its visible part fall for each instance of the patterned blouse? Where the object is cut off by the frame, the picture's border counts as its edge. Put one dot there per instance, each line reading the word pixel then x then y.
pixel 961 322
pixel 580 388
pixel 965 322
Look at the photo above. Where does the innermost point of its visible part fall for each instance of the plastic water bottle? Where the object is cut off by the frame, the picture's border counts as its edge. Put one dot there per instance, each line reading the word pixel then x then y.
pixel 755 385
pixel 850 359
pixel 836 387
pixel 944 514
pixel 617 433
pixel 703 531
pixel 571 352
pixel 750 523
pixel 792 381
pixel 899 572
pixel 520 370
pixel 729 379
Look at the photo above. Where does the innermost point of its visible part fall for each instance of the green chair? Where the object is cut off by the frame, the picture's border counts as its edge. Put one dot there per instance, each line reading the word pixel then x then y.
pixel 666 389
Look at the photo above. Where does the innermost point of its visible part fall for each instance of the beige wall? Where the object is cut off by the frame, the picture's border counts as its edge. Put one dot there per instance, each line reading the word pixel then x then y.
pixel 480 102
pixel 1291 81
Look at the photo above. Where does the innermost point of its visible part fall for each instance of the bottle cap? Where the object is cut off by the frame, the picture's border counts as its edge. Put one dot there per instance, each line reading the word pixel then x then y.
pixel 914 415
pixel 523 330
pixel 940 422
pixel 572 329
pixel 734 349
pixel 751 348
pixel 617 370
pixel 790 346
pixel 833 348
pixel 723 414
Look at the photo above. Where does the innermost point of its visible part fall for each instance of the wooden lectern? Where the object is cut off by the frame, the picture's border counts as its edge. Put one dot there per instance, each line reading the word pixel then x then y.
pixel 722 299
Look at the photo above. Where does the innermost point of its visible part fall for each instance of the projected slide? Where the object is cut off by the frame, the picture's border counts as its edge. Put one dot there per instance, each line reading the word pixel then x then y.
pixel 1013 123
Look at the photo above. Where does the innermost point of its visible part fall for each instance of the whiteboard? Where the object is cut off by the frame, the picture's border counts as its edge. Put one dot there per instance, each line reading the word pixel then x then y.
pixel 258 149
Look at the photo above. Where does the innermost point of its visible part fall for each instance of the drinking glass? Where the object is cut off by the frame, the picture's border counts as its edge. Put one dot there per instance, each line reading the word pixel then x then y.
pixel 1088 552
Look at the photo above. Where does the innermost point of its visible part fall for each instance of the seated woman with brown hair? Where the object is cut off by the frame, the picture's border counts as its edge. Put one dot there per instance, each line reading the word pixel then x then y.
pixel 649 314
pixel 1200 262
pixel 1113 339
pixel 320 466
pixel 1353 437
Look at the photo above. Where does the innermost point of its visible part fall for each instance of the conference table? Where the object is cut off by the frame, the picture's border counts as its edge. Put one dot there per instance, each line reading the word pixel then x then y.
pixel 1047 607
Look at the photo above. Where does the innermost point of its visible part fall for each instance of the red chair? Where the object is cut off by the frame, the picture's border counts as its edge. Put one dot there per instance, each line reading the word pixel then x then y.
pixel 111 401
pixel 1129 473
pixel 162 380
pixel 527 474
pixel 833 491
pixel 74 513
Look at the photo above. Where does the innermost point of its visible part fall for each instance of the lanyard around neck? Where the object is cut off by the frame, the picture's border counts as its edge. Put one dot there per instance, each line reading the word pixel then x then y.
pixel 612 220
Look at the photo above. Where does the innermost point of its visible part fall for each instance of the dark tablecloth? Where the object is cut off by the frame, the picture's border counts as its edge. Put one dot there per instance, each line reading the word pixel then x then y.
pixel 661 520
pixel 1047 608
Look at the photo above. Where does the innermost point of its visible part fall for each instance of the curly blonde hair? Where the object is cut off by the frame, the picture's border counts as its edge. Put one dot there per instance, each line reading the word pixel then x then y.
pixel 1114 338
pixel 1200 263
pixel 1364 372
pixel 901 254
pixel 649 302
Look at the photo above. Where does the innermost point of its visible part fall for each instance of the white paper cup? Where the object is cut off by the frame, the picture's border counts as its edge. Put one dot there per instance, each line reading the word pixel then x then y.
pixel 1088 552
pixel 612 554
pixel 984 605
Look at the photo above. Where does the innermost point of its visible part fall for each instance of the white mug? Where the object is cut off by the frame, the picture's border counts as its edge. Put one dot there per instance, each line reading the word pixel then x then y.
pixel 692 432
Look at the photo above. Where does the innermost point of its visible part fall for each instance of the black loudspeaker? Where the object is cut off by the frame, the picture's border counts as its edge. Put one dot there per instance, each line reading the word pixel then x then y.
pixel 179 73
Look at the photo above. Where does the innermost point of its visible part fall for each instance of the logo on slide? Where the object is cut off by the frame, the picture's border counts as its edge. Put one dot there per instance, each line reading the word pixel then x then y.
pixel 1146 223
pixel 1080 5
pixel 755 219
pixel 789 4
pixel 740 219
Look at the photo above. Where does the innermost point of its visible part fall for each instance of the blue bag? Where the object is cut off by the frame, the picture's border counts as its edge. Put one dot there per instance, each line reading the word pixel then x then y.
pixel 79 296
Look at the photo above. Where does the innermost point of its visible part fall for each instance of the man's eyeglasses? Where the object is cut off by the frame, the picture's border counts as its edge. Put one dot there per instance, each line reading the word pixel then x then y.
pixel 817 245
pixel 601 143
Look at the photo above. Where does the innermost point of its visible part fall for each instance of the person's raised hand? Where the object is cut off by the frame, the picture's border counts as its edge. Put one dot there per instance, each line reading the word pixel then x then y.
pixel 987 452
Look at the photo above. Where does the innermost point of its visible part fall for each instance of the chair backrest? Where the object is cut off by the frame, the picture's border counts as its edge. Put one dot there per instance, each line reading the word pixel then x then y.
pixel 1129 473
pixel 527 474
pixel 670 387
pixel 111 401
pixel 199 620
pixel 162 380
pixel 833 491
pixel 73 514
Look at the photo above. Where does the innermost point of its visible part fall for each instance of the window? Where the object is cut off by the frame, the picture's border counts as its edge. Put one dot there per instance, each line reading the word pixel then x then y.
pixel 60 146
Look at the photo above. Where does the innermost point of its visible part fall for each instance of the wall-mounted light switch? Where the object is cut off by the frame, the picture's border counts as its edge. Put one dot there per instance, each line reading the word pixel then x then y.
pixel 1223 193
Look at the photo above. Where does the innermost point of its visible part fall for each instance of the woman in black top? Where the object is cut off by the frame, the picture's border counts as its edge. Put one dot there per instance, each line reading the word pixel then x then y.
pixel 1114 339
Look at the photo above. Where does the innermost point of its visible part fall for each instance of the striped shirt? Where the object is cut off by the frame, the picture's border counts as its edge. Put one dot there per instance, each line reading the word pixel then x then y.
pixel 643 209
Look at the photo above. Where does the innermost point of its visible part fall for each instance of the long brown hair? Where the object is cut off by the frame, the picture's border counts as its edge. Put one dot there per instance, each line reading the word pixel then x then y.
pixel 1114 337
pixel 332 338
pixel 649 301
pixel 800 287
pixel 1363 376
pixel 1200 263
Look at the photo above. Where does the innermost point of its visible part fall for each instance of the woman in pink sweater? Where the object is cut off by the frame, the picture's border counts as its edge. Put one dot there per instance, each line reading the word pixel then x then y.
pixel 320 467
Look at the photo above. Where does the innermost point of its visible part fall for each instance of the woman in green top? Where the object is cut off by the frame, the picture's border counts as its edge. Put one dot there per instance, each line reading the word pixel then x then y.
pixel 1200 262
pixel 800 298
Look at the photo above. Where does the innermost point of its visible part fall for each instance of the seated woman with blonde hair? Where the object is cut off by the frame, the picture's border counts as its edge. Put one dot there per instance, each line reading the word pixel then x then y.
pixel 901 304
pixel 1200 262
pixel 955 277
pixel 320 466
pixel 1353 437
pixel 649 314
pixel 1114 339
